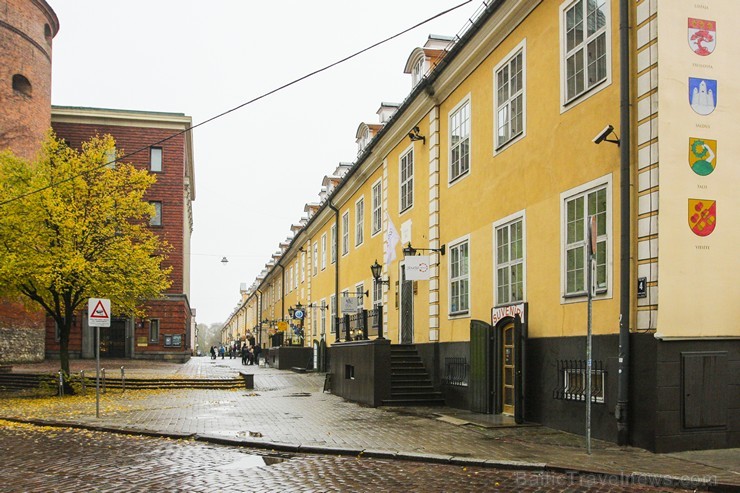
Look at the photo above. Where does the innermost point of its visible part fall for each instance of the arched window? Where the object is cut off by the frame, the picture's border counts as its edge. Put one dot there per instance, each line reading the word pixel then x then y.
pixel 47 33
pixel 21 85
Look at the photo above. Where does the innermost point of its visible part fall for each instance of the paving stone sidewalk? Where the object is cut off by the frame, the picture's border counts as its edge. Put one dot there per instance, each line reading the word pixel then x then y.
pixel 289 411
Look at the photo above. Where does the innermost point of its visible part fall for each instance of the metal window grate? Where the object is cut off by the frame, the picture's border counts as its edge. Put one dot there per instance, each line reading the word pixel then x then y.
pixel 456 371
pixel 572 380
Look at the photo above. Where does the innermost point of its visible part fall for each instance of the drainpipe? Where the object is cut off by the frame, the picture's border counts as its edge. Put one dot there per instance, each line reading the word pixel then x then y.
pixel 259 315
pixel 622 408
pixel 282 290
pixel 336 268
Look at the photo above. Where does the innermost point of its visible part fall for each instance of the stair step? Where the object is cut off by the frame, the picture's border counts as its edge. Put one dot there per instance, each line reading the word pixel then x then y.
pixel 410 382
pixel 414 402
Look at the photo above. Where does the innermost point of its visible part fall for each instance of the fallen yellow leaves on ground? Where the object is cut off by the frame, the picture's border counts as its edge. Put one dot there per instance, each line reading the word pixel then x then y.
pixel 54 407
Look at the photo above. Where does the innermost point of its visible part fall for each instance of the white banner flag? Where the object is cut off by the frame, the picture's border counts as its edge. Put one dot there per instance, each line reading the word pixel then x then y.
pixel 417 268
pixel 391 240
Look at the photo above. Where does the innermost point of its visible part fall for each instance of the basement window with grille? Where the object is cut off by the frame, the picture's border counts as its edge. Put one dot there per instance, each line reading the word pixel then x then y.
pixel 572 381
pixel 456 372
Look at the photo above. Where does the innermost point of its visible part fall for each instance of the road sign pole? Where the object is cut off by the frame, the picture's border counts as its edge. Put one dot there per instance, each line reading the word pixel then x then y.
pixel 97 372
pixel 98 315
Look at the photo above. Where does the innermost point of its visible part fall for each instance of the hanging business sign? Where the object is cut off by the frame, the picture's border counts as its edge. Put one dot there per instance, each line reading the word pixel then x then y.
pixel 349 304
pixel 417 268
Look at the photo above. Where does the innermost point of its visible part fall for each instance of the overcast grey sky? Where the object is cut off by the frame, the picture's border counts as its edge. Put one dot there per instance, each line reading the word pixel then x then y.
pixel 257 167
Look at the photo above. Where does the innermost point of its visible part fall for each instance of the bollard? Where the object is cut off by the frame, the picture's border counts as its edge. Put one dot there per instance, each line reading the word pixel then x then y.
pixel 102 377
pixel 82 381
pixel 123 380
pixel 61 384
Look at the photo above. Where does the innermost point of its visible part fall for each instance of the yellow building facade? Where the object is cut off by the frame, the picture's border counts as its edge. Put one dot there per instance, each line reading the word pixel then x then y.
pixel 526 161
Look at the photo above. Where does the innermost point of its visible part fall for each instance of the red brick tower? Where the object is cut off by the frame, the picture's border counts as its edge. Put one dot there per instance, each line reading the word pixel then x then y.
pixel 27 28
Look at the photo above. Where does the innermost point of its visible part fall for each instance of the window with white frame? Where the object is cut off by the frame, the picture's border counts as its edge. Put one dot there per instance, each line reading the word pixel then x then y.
pixel 407 180
pixel 510 99
pixel 577 209
pixel 156 219
pixel 323 318
pixel 315 265
pixel 377 204
pixel 155 159
pixel 377 294
pixel 459 278
pixel 332 312
pixel 295 277
pixel 345 233
pixel 303 267
pixel 460 141
pixel 290 279
pixel 360 221
pixel 323 251
pixel 333 243
pixel 510 262
pixel 111 156
pixel 417 71
pixel 154 330
pixel 586 52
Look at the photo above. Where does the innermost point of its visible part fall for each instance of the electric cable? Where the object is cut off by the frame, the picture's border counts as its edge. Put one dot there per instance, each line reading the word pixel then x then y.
pixel 240 106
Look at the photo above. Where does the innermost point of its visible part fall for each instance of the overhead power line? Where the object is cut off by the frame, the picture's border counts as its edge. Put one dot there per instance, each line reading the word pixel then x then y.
pixel 238 107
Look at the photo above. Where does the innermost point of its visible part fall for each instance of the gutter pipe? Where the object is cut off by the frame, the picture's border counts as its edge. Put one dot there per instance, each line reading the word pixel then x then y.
pixel 622 407
pixel 336 267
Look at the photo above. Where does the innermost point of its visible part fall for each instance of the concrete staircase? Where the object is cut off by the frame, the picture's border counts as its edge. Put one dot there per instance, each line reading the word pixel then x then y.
pixel 410 382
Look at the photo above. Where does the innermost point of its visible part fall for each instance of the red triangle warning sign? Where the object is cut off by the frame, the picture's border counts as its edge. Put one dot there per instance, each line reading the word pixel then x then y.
pixel 99 311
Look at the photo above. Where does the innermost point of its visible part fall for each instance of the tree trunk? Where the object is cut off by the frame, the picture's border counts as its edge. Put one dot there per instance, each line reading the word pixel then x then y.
pixel 64 354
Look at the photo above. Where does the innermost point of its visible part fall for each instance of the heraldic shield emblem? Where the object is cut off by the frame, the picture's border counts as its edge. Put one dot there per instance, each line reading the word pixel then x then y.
pixel 702 216
pixel 702 155
pixel 702 36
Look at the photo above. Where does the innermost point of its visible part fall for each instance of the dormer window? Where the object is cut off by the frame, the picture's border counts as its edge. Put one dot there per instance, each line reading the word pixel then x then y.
pixel 363 140
pixel 417 71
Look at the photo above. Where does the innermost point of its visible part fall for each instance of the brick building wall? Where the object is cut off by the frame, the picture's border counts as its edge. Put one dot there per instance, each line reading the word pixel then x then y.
pixel 169 186
pixel 26 32
pixel 134 132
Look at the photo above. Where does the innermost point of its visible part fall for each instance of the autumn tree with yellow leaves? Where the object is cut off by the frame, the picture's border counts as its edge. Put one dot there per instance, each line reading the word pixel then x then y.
pixel 74 226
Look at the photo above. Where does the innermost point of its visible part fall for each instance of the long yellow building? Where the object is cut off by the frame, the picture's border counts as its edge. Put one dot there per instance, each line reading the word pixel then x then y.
pixel 526 191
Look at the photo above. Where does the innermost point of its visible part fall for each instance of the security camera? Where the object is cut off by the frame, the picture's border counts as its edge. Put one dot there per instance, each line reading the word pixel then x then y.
pixel 602 136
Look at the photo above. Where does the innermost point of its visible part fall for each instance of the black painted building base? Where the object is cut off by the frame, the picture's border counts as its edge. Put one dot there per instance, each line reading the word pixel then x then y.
pixel 684 395
pixel 287 357
pixel 361 370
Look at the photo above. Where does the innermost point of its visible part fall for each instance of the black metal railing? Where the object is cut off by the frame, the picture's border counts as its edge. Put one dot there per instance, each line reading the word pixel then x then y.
pixel 572 380
pixel 456 371
pixel 360 325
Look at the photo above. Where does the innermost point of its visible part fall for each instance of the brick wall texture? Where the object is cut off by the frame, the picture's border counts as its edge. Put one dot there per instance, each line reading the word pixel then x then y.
pixel 169 188
pixel 26 31
pixel 27 28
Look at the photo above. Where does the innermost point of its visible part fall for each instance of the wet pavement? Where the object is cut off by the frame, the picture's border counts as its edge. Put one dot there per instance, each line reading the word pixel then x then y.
pixel 69 460
pixel 288 412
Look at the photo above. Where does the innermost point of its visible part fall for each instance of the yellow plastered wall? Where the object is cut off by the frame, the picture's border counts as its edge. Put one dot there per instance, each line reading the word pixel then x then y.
pixel 556 154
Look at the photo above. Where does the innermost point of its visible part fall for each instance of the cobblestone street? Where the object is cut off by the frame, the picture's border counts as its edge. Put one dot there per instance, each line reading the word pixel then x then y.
pixel 38 459
pixel 401 449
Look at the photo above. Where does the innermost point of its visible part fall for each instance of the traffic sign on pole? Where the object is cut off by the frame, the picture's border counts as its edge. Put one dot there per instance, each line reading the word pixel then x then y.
pixel 98 312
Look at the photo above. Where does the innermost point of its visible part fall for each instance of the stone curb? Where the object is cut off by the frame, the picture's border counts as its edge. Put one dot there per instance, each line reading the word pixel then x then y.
pixel 657 480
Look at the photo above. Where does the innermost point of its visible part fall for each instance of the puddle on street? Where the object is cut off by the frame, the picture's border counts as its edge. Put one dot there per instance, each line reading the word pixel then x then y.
pixel 246 461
